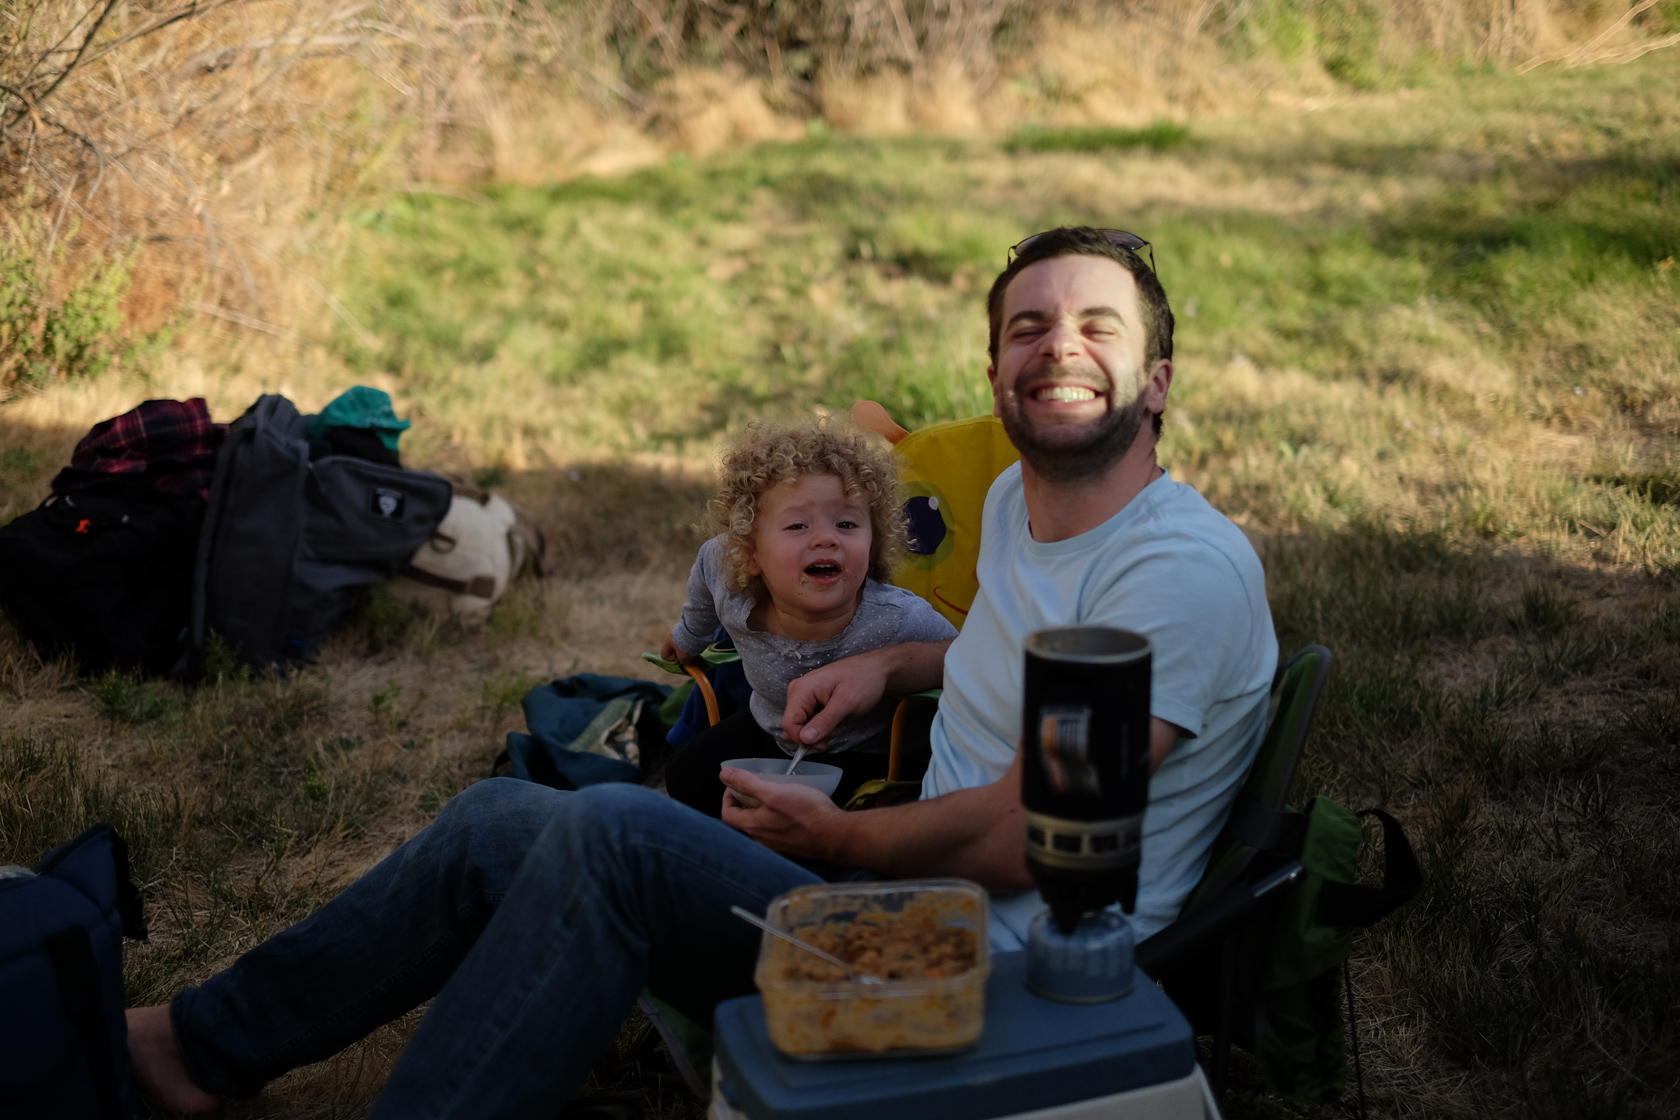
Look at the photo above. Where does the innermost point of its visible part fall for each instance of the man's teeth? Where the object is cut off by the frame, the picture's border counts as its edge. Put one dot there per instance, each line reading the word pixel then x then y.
pixel 1066 393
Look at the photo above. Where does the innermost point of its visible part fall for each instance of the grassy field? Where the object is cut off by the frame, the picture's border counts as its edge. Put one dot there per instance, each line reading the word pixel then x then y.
pixel 1429 357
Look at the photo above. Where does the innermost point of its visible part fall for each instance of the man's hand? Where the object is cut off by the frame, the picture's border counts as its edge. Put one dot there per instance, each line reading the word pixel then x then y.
pixel 852 686
pixel 977 833
pixel 793 820
pixel 818 701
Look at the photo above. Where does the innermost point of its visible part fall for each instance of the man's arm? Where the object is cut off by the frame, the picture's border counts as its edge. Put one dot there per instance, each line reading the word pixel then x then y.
pixel 977 833
pixel 1163 736
pixel 974 833
pixel 818 701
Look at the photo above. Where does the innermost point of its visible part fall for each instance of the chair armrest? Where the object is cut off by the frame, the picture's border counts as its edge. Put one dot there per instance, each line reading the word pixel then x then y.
pixel 1199 929
pixel 895 751
pixel 706 694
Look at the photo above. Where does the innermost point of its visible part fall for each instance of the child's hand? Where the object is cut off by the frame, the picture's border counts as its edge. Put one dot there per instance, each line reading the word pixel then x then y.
pixel 670 652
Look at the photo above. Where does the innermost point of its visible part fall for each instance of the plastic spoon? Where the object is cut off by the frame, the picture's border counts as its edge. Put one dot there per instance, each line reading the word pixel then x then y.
pixel 794 765
pixel 749 916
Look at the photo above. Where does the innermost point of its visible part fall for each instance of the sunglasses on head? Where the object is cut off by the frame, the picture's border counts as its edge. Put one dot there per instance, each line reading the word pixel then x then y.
pixel 1118 237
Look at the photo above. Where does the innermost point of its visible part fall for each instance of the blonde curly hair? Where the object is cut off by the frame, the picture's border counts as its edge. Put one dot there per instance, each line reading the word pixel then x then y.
pixel 767 455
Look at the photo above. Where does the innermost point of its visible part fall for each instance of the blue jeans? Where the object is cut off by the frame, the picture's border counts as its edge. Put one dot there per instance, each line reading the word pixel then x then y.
pixel 534 917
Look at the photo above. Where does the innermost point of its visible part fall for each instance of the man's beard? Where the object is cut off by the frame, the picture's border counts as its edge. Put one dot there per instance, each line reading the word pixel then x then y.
pixel 1101 447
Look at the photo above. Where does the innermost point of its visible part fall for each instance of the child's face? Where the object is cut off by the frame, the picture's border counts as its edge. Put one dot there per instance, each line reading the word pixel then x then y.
pixel 811 547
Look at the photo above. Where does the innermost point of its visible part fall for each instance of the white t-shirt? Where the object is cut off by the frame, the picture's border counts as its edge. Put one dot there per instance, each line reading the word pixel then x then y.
pixel 1168 566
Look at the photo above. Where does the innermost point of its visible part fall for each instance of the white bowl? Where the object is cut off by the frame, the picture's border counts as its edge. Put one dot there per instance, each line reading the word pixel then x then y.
pixel 817 775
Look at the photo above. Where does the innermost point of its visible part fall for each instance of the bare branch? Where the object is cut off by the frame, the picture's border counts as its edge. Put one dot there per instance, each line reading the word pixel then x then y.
pixel 87 41
pixel 240 318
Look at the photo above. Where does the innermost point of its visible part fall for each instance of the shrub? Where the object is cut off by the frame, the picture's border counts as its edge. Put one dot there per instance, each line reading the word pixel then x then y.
pixel 43 339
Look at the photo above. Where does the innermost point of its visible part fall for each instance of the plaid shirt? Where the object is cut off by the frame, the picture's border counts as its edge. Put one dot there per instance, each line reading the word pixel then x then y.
pixel 171 443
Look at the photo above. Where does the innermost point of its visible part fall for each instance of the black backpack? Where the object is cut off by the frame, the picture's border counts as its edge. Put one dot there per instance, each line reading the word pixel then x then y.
pixel 288 540
pixel 104 574
pixel 63 1041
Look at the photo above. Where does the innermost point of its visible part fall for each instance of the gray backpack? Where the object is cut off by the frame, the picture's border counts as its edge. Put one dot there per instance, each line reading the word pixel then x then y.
pixel 287 541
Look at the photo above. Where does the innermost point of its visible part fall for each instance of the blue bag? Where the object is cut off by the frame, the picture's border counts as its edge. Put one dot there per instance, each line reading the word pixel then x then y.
pixel 585 730
pixel 63 1038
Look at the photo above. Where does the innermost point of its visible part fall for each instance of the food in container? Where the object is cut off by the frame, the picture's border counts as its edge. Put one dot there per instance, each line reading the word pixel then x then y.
pixel 925 939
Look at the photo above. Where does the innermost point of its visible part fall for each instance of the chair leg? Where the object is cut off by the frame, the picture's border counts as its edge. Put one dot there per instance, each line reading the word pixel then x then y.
pixel 1221 1073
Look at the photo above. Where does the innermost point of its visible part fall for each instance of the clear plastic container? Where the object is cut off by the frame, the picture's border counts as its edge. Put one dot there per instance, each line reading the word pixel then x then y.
pixel 818 775
pixel 840 1018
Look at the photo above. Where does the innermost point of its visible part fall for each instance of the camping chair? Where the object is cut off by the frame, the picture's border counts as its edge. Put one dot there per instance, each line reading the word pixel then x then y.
pixel 711 657
pixel 945 471
pixel 1210 960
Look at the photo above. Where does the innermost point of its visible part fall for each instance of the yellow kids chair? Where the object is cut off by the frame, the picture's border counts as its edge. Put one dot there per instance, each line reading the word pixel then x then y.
pixel 945 471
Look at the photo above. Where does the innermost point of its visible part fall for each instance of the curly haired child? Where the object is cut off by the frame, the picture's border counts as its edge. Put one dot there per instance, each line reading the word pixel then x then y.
pixel 810 525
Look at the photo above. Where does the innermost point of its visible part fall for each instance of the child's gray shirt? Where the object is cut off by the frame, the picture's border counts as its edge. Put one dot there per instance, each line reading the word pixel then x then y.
pixel 886 616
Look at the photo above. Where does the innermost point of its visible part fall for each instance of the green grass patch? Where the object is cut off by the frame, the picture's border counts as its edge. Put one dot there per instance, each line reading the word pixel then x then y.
pixel 1657 487
pixel 1541 815
pixel 123 697
pixel 1157 136
pixel 1441 336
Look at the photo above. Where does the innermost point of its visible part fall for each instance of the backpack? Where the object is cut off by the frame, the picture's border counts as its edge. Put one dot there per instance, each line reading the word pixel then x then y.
pixel 63 1038
pixel 586 730
pixel 1261 962
pixel 481 547
pixel 104 574
pixel 1298 1037
pixel 288 540
pixel 102 570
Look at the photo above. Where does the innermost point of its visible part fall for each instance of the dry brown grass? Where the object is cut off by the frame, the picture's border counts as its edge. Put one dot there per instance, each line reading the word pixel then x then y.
pixel 1516 714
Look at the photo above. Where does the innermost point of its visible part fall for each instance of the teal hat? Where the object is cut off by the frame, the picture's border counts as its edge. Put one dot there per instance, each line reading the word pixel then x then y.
pixel 360 407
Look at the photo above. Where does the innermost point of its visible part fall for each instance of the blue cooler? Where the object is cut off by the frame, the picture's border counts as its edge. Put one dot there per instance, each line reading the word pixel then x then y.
pixel 1131 1059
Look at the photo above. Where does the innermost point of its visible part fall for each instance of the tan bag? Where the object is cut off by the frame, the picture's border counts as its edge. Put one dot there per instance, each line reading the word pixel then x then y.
pixel 480 548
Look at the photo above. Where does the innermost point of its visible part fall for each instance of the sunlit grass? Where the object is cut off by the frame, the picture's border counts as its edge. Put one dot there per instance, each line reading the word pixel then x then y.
pixel 1159 136
pixel 1476 359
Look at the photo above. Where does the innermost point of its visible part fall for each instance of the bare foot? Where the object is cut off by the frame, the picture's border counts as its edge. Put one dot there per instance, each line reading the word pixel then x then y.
pixel 157 1063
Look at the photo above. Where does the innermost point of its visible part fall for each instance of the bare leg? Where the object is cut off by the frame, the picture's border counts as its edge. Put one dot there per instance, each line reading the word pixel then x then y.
pixel 157 1063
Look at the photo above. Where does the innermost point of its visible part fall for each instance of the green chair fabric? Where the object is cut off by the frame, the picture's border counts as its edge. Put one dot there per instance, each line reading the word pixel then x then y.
pixel 1259 813
pixel 1217 989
